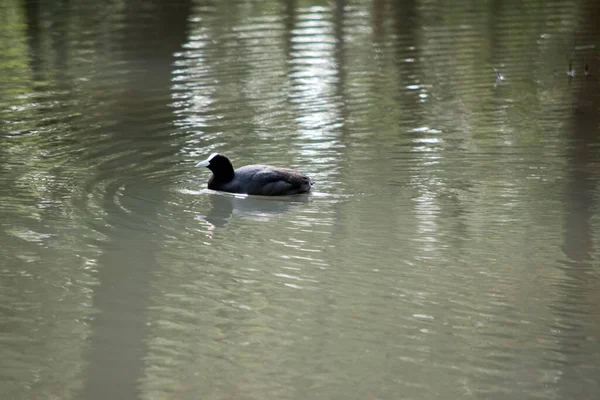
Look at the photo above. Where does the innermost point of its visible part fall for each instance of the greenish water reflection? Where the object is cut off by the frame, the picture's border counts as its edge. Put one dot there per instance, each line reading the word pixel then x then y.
pixel 449 249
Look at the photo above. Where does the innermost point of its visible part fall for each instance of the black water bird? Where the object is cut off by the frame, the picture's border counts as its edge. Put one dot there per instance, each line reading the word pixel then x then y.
pixel 262 180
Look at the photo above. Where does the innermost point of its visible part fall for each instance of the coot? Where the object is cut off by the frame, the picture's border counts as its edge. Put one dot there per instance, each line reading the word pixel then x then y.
pixel 263 180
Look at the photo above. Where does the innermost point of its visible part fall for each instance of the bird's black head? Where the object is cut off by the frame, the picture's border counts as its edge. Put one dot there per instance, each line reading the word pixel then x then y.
pixel 220 165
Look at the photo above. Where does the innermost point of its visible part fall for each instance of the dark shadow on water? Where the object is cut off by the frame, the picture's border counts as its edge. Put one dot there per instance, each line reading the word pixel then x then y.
pixel 32 18
pixel 577 308
pixel 118 342
pixel 56 16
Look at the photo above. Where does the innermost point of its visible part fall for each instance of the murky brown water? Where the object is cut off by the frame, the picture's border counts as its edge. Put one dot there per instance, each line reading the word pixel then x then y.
pixel 449 251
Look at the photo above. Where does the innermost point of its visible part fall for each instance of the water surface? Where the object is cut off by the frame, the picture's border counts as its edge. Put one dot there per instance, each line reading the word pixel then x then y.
pixel 449 249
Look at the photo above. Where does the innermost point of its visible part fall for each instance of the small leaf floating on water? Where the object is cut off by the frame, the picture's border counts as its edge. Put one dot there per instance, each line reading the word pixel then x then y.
pixel 499 77
pixel 571 71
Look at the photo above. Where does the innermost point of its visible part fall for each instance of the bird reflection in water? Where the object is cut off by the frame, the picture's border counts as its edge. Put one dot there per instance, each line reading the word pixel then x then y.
pixel 223 206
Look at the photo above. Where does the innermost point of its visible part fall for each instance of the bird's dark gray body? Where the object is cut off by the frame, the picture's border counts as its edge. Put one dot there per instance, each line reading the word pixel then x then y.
pixel 262 180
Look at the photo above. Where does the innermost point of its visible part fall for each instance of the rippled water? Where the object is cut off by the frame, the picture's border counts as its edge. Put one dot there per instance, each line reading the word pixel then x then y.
pixel 449 249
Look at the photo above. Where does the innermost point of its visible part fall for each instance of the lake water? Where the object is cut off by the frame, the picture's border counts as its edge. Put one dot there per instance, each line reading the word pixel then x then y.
pixel 450 249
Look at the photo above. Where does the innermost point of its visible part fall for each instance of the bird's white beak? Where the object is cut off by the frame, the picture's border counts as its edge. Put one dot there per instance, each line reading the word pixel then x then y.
pixel 204 163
